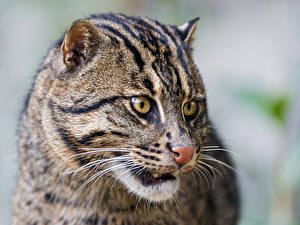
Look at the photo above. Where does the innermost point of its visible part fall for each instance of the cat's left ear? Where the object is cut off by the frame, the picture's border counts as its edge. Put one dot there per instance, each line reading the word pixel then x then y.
pixel 80 43
pixel 187 30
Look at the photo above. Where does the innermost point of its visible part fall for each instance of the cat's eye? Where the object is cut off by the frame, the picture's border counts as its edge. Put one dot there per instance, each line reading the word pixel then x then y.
pixel 190 109
pixel 141 104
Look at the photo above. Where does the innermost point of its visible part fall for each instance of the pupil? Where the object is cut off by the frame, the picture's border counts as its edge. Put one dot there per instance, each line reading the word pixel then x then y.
pixel 142 104
pixel 189 106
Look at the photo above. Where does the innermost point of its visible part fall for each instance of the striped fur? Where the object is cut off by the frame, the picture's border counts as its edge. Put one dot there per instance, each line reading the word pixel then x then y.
pixel 83 147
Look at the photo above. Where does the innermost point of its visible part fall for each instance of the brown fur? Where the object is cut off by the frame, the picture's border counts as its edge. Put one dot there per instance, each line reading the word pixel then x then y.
pixel 65 113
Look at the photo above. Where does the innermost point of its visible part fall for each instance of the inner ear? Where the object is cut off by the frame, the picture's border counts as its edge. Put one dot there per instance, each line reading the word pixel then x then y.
pixel 80 43
pixel 187 30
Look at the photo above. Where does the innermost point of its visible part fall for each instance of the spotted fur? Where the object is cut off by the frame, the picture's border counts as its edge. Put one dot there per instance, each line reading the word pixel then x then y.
pixel 83 148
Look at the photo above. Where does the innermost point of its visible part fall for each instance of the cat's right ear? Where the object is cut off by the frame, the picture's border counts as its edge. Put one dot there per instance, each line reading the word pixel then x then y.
pixel 80 43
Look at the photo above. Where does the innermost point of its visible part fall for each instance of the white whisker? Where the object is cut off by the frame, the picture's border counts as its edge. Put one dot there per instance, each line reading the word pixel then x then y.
pixel 211 146
pixel 96 150
pixel 98 175
pixel 209 176
pixel 211 167
pixel 212 159
pixel 97 162
pixel 222 150
pixel 198 168
pixel 107 149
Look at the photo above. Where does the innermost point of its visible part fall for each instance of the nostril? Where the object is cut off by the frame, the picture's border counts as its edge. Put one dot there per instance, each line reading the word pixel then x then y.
pixel 177 155
pixel 169 147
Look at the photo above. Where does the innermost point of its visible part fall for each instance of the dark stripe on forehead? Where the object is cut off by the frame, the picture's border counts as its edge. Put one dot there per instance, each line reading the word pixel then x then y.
pixel 178 48
pixel 173 69
pixel 137 56
pixel 89 108
pixel 162 74
pixel 141 21
pixel 149 85
pixel 113 39
pixel 112 18
pixel 178 81
pixel 123 21
pixel 158 64
pixel 155 67
pixel 146 39
pixel 145 30
pixel 146 36
pixel 120 21
pixel 142 26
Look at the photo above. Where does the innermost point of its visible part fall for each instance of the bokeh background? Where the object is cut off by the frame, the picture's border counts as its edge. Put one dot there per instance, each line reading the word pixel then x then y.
pixel 249 55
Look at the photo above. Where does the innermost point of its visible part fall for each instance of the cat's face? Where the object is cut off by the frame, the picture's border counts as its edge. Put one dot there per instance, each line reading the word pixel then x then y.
pixel 135 112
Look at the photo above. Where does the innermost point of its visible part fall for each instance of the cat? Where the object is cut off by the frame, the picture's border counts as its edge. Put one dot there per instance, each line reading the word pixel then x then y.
pixel 115 130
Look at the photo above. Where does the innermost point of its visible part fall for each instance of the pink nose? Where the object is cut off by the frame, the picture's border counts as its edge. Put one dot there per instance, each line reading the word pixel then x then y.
pixel 183 154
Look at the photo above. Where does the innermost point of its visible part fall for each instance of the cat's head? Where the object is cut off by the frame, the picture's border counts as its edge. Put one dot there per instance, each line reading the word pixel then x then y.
pixel 128 104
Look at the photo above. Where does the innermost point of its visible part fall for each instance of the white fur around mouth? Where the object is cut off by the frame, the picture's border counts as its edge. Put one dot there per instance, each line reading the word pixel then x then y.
pixel 159 191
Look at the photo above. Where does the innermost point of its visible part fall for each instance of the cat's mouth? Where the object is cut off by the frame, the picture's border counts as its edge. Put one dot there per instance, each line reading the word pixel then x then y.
pixel 148 184
pixel 147 178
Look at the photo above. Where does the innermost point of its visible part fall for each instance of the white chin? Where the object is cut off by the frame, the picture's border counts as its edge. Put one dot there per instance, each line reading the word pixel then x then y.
pixel 155 193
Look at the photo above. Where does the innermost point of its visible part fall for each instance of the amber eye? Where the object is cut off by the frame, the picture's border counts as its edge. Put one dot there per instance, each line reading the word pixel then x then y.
pixel 141 104
pixel 190 109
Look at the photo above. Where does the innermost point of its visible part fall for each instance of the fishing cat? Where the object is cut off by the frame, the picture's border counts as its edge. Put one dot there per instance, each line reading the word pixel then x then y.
pixel 115 131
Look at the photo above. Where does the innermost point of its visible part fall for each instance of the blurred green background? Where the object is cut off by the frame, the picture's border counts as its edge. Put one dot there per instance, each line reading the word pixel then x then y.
pixel 249 55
